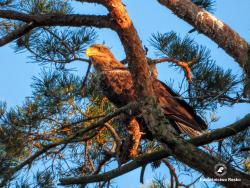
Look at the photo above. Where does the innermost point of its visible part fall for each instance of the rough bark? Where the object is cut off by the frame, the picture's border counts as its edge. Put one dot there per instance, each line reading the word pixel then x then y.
pixel 204 22
pixel 214 28
pixel 158 155
pixel 133 48
pixel 222 133
pixel 189 154
pixel 152 112
pixel 33 21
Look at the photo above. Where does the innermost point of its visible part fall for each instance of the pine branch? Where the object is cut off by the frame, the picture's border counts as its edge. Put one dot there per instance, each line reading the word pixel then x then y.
pixel 75 20
pixel 227 131
pixel 136 163
pixel 184 65
pixel 214 28
pixel 128 108
pixel 222 133
pixel 20 31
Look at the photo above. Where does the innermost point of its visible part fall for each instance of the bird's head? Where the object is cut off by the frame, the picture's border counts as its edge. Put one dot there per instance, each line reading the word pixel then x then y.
pixel 102 58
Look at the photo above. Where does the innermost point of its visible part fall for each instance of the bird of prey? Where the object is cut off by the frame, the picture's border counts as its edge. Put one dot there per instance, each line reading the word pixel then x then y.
pixel 117 85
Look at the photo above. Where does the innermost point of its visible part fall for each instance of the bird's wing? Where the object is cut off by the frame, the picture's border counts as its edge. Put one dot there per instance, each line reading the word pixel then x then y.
pixel 177 109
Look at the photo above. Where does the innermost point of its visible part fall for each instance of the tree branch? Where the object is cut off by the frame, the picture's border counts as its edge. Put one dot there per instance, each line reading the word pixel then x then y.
pixel 213 28
pixel 135 55
pixel 138 162
pixel 20 31
pixel 184 65
pixel 130 108
pixel 92 1
pixel 222 133
pixel 190 155
pixel 154 156
pixel 75 20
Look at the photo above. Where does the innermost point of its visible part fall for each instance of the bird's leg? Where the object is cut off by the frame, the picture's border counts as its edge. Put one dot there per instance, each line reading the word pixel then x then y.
pixel 129 147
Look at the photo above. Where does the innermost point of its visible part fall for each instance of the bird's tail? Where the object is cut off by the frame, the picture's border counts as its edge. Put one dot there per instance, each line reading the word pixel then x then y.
pixel 188 130
pixel 192 133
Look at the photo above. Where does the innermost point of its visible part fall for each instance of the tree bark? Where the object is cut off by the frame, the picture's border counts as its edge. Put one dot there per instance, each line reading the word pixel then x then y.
pixel 214 28
pixel 191 155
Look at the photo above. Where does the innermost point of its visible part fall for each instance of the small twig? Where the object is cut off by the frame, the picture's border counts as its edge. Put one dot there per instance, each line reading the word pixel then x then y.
pixel 142 173
pixel 184 65
pixel 192 183
pixel 172 173
pixel 87 156
pixel 106 158
pixel 245 149
pixel 114 134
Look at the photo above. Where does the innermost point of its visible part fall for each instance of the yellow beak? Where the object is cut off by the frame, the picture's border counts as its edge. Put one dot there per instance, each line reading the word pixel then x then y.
pixel 91 52
pixel 88 52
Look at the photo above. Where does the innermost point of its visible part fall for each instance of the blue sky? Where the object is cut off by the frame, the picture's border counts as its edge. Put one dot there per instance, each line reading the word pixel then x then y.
pixel 148 17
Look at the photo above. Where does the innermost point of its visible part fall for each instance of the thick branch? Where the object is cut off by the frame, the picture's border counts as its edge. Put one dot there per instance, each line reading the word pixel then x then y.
pixel 20 31
pixel 148 158
pixel 138 162
pixel 222 133
pixel 128 108
pixel 14 15
pixel 135 55
pixel 190 155
pixel 153 115
pixel 75 20
pixel 212 27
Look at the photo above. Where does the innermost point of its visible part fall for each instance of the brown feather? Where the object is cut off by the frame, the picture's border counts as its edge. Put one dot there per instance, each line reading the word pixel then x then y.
pixel 117 85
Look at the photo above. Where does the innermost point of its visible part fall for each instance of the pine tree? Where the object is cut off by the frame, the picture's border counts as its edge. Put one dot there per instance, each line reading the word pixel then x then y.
pixel 68 128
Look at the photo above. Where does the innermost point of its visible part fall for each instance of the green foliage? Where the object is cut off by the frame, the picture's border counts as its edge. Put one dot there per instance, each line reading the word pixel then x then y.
pixel 159 182
pixel 210 83
pixel 205 4
pixel 217 83
pixel 48 45
pixel 45 179
pixel 44 6
pixel 57 108
pixel 173 46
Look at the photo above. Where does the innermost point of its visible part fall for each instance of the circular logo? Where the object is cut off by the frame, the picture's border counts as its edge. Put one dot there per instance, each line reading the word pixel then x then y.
pixel 220 169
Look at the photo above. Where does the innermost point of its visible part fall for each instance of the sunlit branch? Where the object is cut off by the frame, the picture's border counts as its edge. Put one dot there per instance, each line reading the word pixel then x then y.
pixel 184 65
pixel 128 108
pixel 114 134
pixel 147 158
